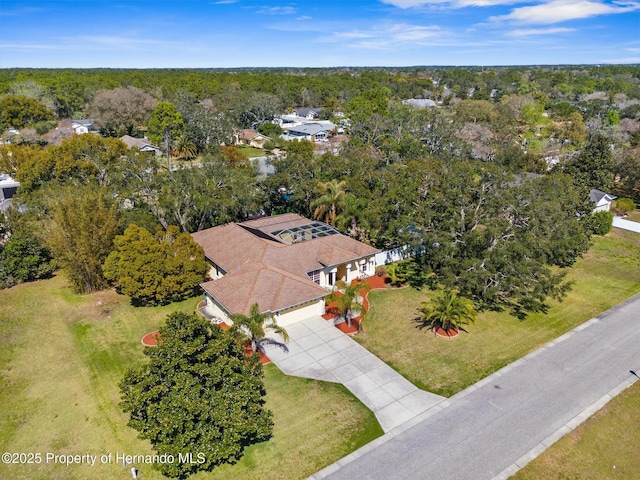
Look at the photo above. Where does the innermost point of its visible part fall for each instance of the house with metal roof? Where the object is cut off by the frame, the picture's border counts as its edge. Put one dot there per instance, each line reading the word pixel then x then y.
pixel 287 264
pixel 312 131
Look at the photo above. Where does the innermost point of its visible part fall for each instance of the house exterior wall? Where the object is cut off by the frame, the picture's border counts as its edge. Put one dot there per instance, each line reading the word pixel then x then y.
pixel 215 272
pixel 300 312
pixel 216 310
pixel 362 267
pixel 602 206
pixel 393 255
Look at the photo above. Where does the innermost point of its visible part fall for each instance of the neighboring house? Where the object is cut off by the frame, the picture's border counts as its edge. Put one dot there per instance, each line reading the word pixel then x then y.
pixel 8 188
pixel 251 137
pixel 286 264
pixel 602 200
pixel 141 144
pixel 80 127
pixel 419 102
pixel 308 113
pixel 314 131
pixel 298 116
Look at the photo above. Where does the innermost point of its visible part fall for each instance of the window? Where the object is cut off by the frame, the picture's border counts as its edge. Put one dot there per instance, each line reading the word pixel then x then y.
pixel 315 276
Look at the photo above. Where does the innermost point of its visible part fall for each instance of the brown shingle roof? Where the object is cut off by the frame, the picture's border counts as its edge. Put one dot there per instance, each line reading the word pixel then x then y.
pixel 269 287
pixel 261 269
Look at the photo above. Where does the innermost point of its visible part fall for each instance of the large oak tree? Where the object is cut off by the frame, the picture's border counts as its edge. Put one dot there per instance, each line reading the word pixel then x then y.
pixel 211 403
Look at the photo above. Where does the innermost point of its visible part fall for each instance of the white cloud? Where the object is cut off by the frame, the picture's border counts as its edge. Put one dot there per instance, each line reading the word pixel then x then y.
pixel 389 36
pixel 277 10
pixel 538 31
pixel 303 18
pixel 410 3
pixel 622 60
pixel 557 11
pixel 18 12
pixel 27 46
pixel 405 4
pixel 224 2
pixel 114 41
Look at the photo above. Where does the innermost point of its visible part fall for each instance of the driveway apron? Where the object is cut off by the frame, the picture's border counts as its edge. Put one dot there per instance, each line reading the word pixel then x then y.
pixel 316 349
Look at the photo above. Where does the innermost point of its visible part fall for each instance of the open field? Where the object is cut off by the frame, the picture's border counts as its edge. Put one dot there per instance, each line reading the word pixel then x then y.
pixel 606 275
pixel 603 447
pixel 62 356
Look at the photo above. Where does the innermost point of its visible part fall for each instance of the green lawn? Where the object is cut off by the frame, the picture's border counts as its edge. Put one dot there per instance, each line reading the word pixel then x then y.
pixel 251 152
pixel 62 356
pixel 607 275
pixel 606 446
pixel 634 216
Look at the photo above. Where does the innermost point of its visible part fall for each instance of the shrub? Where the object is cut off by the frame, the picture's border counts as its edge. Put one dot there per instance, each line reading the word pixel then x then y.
pixel 624 205
pixel 600 223
pixel 43 127
pixel 269 145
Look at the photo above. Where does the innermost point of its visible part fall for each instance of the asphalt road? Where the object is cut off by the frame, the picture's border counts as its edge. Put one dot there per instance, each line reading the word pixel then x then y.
pixel 496 426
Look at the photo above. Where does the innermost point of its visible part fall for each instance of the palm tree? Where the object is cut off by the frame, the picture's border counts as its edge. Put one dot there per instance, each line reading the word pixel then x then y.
pixel 254 326
pixel 184 148
pixel 446 311
pixel 331 202
pixel 346 298
pixel 350 218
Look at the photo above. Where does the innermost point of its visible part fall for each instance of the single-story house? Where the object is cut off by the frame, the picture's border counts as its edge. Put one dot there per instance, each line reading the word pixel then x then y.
pixel 308 113
pixel 602 200
pixel 141 144
pixel 80 127
pixel 251 137
pixel 287 264
pixel 8 188
pixel 313 132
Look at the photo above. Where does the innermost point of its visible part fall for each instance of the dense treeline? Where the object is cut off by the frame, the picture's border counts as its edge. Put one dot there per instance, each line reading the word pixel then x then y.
pixel 73 88
pixel 454 181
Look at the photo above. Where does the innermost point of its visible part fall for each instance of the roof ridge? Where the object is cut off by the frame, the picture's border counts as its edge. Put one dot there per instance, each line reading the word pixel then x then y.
pixel 253 286
pixel 276 297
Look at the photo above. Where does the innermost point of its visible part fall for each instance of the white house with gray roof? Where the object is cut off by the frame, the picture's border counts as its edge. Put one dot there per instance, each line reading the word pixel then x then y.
pixel 602 200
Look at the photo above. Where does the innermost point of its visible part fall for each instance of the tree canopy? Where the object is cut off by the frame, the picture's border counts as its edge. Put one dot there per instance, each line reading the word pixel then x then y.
pixel 212 402
pixel 80 231
pixel 121 111
pixel 164 125
pixel 19 111
pixel 155 270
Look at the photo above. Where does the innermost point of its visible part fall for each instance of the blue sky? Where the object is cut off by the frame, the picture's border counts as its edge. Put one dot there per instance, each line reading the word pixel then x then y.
pixel 252 33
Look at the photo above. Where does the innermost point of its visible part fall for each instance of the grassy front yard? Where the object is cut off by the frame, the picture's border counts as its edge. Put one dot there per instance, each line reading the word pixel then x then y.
pixel 62 356
pixel 251 152
pixel 607 275
pixel 633 216
pixel 603 447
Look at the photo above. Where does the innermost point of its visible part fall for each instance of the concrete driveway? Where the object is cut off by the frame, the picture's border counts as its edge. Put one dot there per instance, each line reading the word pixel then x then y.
pixel 620 222
pixel 495 427
pixel 317 349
